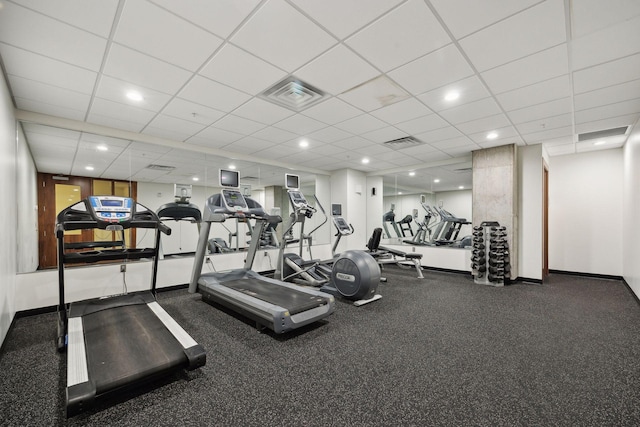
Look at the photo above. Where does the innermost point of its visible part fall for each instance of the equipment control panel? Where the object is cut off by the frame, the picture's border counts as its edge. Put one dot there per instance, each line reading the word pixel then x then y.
pixel 112 208
pixel 342 226
pixel 297 199
pixel 234 201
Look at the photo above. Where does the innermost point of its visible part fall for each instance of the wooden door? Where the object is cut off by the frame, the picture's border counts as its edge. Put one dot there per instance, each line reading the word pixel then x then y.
pixel 54 194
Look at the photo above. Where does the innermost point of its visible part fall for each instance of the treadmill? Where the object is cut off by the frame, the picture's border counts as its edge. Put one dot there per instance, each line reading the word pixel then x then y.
pixel 122 340
pixel 271 303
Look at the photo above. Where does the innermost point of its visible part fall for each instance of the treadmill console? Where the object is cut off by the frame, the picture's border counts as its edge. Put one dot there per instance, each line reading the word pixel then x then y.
pixel 234 201
pixel 111 208
pixel 297 199
pixel 342 226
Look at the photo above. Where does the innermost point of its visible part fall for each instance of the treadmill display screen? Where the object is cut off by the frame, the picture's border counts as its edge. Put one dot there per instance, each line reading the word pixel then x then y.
pixel 113 203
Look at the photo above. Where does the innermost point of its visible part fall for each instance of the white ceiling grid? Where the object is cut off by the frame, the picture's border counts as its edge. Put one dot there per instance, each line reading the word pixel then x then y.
pixel 533 71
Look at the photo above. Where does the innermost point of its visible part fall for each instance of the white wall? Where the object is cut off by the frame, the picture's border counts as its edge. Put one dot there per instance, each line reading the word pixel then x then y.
pixel 585 212
pixel 27 204
pixel 375 205
pixel 348 188
pixel 530 211
pixel 631 212
pixel 8 221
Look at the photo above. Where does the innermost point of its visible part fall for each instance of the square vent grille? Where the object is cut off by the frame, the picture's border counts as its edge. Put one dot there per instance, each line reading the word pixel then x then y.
pixel 293 93
pixel 402 143
pixel 602 133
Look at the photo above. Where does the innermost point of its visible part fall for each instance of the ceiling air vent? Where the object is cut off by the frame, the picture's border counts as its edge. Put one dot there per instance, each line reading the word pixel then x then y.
pixel 248 177
pixel 401 143
pixel 463 170
pixel 160 167
pixel 603 133
pixel 293 93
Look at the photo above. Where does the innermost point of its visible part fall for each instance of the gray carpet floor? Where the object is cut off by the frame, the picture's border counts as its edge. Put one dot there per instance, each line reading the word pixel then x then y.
pixel 438 351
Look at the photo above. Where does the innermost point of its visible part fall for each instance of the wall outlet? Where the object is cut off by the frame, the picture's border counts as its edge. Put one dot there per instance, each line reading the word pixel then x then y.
pixel 266 253
pixel 123 268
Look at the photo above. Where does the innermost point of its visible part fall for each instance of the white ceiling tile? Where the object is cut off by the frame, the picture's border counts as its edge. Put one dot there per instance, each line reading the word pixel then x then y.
pixel 100 119
pixel 539 125
pixel 273 134
pixel 187 110
pixel 374 94
pixel 143 27
pixel 36 67
pixel 471 111
pixel 386 47
pixel 401 111
pixel 463 17
pixel 214 138
pixel 469 90
pixel 548 134
pixel 50 37
pixel 361 124
pixel 540 111
pixel 609 74
pixel 327 71
pixel 321 150
pixel 238 124
pixel 143 70
pixel 624 108
pixel 432 71
pixel 608 95
pixel 588 16
pixel 561 149
pixel 385 134
pixel 461 141
pixel 486 124
pixel 44 93
pixel 241 70
pixel 220 17
pixel 532 69
pixel 212 94
pixel 530 31
pixel 116 90
pixel 506 135
pixel 249 145
pixel 172 128
pixel 49 109
pixel 121 111
pixel 607 44
pixel 300 125
pixel 441 134
pixel 262 111
pixel 422 124
pixel 354 142
pixel 95 16
pixel 276 30
pixel 114 145
pixel 332 111
pixel 329 134
pixel 343 17
pixel 559 87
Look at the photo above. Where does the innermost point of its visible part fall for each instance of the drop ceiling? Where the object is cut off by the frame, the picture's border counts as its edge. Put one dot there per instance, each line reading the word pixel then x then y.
pixel 532 72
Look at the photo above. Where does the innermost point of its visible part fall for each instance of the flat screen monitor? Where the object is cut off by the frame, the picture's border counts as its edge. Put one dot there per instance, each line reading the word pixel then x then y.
pixel 229 178
pixel 291 182
pixel 182 191
pixel 336 209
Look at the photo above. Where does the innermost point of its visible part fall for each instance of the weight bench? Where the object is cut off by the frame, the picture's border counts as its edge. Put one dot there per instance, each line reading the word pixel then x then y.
pixel 384 255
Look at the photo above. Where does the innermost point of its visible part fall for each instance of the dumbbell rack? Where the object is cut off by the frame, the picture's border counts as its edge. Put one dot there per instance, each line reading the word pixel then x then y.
pixel 490 255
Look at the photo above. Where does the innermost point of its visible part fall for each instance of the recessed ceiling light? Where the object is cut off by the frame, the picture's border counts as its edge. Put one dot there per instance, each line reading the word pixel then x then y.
pixel 365 160
pixel 452 95
pixel 492 135
pixel 195 178
pixel 102 147
pixel 400 193
pixel 601 142
pixel 412 173
pixel 304 143
pixel 461 187
pixel 89 168
pixel 135 96
pixel 232 167
pixel 436 180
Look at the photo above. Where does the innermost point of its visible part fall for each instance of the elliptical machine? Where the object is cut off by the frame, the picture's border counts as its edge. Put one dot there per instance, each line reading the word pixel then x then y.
pixel 353 275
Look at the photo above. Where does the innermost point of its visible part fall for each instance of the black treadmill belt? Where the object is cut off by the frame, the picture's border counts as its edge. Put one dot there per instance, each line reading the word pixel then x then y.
pixel 294 301
pixel 126 344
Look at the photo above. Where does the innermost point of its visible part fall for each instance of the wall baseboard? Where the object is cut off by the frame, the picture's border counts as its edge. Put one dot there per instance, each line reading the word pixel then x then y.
pixel 525 280
pixel 635 297
pixel 592 275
